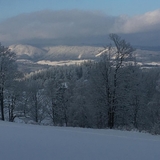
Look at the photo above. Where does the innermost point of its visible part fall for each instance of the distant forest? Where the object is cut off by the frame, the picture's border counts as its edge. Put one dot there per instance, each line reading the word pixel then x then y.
pixel 111 92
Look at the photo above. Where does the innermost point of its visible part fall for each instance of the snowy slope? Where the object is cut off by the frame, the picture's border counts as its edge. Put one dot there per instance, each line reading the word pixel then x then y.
pixel 71 52
pixel 66 55
pixel 59 53
pixel 31 142
pixel 27 51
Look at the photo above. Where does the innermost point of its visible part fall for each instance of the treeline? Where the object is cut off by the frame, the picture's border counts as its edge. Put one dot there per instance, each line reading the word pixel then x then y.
pixel 112 92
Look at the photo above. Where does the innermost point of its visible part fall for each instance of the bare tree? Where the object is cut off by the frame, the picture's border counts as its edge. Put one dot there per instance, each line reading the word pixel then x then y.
pixel 115 56
pixel 7 73
pixel 36 100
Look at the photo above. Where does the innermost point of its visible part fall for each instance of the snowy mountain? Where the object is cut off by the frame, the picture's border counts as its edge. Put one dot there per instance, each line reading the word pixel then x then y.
pixel 27 51
pixel 60 55
pixel 31 142
pixel 55 53
pixel 72 52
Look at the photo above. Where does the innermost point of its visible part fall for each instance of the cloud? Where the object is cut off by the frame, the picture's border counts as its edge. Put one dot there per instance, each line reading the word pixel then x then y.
pixel 78 27
pixel 142 23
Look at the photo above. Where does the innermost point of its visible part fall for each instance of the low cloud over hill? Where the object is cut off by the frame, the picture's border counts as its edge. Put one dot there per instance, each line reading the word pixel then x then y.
pixel 77 27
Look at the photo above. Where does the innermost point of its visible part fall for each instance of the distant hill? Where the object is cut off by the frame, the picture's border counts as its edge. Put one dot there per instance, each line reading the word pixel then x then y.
pixel 148 48
pixel 27 52
pixel 37 58
pixel 55 53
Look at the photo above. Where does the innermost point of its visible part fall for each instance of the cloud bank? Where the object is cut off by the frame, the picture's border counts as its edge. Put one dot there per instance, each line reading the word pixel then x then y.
pixel 77 27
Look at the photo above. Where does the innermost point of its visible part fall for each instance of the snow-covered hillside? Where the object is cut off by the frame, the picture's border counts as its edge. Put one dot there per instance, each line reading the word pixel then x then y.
pixel 55 53
pixel 72 52
pixel 27 51
pixel 31 142
pixel 60 55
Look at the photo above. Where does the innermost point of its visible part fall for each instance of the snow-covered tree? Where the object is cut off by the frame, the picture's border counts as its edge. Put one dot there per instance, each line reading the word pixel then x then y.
pixel 114 58
pixel 8 73
pixel 36 103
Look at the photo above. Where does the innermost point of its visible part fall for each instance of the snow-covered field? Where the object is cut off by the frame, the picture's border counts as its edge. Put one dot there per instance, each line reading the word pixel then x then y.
pixel 61 63
pixel 32 142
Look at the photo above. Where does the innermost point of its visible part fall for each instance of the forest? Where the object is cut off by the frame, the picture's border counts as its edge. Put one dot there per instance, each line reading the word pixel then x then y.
pixel 111 92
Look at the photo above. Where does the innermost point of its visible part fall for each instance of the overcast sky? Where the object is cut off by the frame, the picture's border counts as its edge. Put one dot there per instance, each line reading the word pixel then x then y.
pixel 79 22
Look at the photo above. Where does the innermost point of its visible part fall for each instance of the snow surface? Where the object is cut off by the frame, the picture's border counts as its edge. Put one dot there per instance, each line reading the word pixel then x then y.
pixel 33 142
pixel 61 63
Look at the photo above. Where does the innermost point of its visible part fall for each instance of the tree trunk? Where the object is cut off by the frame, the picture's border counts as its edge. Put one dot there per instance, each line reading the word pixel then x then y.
pixel 110 118
pixel 2 104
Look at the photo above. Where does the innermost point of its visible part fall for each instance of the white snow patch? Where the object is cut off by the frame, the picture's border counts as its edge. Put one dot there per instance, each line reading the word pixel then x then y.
pixel 100 53
pixel 61 63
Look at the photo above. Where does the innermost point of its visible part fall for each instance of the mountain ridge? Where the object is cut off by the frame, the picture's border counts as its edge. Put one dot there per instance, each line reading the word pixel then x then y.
pixel 60 55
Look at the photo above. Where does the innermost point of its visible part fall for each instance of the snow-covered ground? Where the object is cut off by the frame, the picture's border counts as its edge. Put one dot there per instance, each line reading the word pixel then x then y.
pixel 61 63
pixel 33 142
